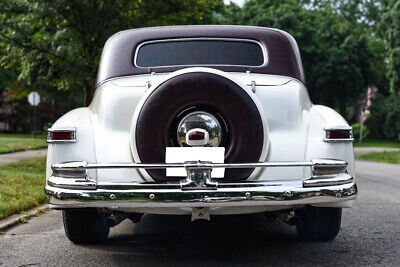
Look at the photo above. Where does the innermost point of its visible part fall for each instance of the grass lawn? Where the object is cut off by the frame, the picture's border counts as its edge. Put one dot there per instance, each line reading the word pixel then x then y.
pixel 386 156
pixel 376 143
pixel 19 142
pixel 21 186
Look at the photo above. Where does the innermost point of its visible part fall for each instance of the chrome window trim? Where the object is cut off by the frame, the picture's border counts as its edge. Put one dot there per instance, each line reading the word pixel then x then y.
pixel 61 129
pixel 263 49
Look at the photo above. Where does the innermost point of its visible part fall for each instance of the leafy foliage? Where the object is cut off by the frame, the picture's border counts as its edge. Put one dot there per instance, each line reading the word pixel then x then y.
pixel 384 121
pixel 18 113
pixel 54 46
pixel 58 43
pixel 356 131
pixel 391 27
pixel 341 59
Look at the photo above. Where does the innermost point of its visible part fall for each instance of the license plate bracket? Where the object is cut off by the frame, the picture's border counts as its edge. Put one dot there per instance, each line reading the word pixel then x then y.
pixel 185 154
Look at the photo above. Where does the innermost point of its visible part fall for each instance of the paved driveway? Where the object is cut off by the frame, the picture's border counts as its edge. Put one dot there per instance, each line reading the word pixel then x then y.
pixel 370 235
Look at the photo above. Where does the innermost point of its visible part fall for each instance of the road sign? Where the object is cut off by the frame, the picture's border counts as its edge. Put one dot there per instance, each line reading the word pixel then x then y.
pixel 34 98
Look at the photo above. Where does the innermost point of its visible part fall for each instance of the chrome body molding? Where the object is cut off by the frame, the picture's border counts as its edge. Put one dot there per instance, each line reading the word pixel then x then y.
pixel 338 140
pixel 81 165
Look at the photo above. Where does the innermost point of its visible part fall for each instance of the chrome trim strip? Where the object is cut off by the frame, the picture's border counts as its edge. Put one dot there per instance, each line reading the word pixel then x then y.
pixel 68 183
pixel 74 174
pixel 326 180
pixel 263 49
pixel 70 166
pixel 60 141
pixel 328 140
pixel 327 166
pixel 283 193
pixel 339 127
pixel 61 129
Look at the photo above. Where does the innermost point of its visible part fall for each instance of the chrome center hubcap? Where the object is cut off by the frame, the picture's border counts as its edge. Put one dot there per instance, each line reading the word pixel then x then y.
pixel 199 129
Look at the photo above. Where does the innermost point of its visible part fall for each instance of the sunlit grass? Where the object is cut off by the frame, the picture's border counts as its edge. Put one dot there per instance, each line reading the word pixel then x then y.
pixel 21 186
pixel 386 156
pixel 15 142
pixel 376 143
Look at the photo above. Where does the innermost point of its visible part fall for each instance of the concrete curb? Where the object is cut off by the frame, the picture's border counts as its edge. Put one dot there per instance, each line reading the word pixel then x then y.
pixel 17 218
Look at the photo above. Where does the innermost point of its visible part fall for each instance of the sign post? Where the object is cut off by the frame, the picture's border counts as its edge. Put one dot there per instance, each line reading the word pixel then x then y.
pixel 34 100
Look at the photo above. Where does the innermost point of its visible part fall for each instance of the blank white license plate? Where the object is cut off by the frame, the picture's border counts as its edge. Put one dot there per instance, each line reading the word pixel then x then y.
pixel 182 154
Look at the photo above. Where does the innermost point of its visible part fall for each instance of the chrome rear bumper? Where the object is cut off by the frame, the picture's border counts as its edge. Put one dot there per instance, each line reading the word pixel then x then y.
pixel 70 187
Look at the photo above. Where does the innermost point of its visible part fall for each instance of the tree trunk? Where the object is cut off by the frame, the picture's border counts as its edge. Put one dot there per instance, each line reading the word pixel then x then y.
pixel 89 92
pixel 342 109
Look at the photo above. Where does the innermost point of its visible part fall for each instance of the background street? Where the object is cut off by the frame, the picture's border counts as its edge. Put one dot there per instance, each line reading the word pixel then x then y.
pixel 370 235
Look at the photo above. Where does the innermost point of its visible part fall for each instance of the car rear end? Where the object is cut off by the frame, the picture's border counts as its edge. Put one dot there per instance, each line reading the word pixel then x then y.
pixel 202 141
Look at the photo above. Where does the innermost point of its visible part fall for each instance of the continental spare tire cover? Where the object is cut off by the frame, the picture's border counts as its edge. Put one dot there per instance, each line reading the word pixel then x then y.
pixel 200 90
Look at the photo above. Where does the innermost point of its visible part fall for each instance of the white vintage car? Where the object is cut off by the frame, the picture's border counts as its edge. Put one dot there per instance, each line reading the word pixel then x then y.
pixel 200 121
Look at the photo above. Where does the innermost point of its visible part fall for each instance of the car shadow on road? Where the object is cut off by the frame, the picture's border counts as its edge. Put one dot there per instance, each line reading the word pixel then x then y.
pixel 246 239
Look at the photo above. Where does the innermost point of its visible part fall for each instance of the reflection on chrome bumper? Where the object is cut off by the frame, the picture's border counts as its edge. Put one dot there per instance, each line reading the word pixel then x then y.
pixel 70 186
pixel 227 194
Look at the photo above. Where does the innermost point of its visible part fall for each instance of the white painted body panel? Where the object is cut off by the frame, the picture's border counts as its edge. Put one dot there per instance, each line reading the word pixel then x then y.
pixel 293 126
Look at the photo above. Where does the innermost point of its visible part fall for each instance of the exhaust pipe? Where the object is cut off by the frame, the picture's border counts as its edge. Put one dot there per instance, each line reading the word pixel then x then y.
pixel 115 218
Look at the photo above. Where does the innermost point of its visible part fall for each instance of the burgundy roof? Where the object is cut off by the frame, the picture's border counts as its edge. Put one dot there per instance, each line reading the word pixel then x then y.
pixel 282 51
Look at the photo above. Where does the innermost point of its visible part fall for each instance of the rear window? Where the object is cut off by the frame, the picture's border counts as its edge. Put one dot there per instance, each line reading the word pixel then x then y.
pixel 199 52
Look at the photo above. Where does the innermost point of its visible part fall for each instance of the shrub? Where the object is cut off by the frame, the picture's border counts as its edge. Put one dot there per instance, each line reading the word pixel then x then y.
pixel 356 131
pixel 384 121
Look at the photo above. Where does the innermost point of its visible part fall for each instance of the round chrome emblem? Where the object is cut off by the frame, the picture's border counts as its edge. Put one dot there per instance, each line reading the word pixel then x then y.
pixel 199 129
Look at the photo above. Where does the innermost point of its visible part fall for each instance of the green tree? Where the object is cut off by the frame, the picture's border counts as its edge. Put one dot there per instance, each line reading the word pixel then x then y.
pixel 391 30
pixel 58 42
pixel 338 54
pixel 384 121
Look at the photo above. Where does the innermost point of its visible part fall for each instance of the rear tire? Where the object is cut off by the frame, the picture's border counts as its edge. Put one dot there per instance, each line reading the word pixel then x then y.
pixel 318 224
pixel 84 226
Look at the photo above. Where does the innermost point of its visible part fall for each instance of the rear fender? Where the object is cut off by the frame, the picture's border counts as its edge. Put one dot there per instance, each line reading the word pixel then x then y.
pixel 82 150
pixel 324 117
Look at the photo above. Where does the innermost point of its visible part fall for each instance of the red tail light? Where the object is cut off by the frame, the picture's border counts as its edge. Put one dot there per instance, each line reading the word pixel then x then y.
pixel 61 135
pixel 336 134
pixel 339 135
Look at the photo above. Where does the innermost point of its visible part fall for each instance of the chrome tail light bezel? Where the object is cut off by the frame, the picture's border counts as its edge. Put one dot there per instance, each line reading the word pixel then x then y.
pixel 71 130
pixel 328 134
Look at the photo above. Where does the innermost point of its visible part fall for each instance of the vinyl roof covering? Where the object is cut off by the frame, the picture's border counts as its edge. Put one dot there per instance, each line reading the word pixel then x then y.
pixel 283 57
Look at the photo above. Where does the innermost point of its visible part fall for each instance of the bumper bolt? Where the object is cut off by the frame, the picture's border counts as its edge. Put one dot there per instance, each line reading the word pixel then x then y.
pixel 247 195
pixel 112 196
pixel 152 196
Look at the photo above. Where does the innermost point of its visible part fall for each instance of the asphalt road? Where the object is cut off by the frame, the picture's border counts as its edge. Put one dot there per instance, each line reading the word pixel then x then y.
pixel 370 235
